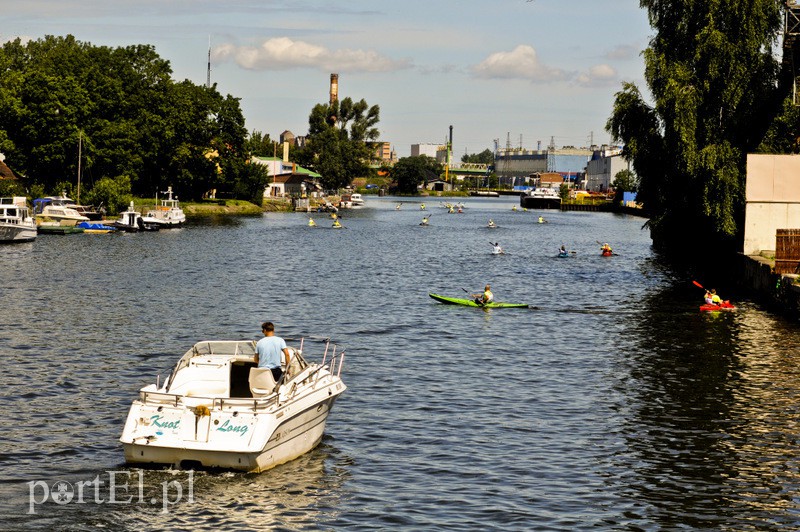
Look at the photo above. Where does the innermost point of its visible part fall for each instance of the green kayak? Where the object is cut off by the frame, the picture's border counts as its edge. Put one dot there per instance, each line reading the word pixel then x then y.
pixel 471 302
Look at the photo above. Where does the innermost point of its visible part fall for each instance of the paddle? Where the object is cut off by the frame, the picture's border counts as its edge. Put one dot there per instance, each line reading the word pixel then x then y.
pixel 698 285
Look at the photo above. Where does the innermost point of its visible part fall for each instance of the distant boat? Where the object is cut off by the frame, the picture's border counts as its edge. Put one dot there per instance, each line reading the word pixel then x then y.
pixel 131 221
pixel 166 215
pixel 541 198
pixel 356 200
pixel 16 222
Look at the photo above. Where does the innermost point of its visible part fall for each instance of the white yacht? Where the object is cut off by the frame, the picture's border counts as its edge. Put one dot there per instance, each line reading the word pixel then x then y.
pixel 218 409
pixel 167 214
pixel 60 209
pixel 357 200
pixel 16 222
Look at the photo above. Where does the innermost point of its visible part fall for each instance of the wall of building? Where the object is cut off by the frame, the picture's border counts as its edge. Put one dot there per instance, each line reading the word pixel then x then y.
pixel 772 196
pixel 600 172
pixel 425 149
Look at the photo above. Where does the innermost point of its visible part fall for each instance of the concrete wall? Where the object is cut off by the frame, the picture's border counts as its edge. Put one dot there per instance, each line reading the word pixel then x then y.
pixel 772 195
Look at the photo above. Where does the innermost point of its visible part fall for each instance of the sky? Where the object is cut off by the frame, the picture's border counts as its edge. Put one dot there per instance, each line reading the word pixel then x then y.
pixel 518 72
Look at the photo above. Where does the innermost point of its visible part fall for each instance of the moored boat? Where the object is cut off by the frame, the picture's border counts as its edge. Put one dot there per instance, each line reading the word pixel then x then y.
pixel 131 221
pixel 16 222
pixel 356 200
pixel 218 409
pixel 60 209
pixel 471 302
pixel 166 215
pixel 541 198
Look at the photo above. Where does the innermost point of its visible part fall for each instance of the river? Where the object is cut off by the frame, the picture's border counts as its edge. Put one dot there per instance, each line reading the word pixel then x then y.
pixel 611 403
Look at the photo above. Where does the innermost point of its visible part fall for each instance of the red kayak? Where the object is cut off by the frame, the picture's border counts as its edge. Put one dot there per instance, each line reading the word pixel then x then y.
pixel 725 305
pixel 607 253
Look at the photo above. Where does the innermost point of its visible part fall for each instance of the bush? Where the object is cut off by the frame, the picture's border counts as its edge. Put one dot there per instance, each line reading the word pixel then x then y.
pixel 114 194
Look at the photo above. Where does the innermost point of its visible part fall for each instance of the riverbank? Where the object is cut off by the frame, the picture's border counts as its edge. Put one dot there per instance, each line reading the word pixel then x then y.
pixel 778 291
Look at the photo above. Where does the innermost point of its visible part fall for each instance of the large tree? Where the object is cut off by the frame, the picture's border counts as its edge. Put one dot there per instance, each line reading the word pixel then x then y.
pixel 341 141
pixel 131 118
pixel 410 172
pixel 712 77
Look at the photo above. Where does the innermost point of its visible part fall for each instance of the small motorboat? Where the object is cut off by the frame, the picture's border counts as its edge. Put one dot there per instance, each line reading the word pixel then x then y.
pixel 131 221
pixel 218 409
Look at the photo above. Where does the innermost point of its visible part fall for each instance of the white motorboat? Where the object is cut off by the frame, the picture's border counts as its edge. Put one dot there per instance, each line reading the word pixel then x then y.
pixel 356 200
pixel 131 221
pixel 218 409
pixel 60 209
pixel 16 222
pixel 167 214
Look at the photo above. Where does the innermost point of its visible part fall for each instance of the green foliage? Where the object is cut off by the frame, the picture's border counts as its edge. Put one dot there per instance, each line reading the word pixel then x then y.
pixel 484 157
pixel 339 142
pixel 114 194
pixel 712 78
pixel 410 172
pixel 131 118
pixel 11 187
pixel 563 192
pixel 260 145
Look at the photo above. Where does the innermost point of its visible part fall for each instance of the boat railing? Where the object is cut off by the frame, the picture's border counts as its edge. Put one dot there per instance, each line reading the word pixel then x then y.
pixel 161 398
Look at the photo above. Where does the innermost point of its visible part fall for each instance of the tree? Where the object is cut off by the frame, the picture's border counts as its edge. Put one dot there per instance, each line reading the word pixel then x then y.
pixel 624 181
pixel 410 172
pixel 260 145
pixel 712 77
pixel 339 144
pixel 484 157
pixel 132 118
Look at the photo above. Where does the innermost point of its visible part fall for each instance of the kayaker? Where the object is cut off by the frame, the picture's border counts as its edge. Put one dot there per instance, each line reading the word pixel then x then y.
pixel 712 298
pixel 541 219
pixel 563 251
pixel 496 249
pixel 491 223
pixel 605 249
pixel 485 297
pixel 424 220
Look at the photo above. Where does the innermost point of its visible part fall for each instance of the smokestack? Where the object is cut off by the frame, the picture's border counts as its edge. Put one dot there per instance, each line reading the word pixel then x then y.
pixel 334 87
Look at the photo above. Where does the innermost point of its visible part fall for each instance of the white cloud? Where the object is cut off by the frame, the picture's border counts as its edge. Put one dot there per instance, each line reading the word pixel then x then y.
pixel 282 53
pixel 598 75
pixel 623 52
pixel 520 63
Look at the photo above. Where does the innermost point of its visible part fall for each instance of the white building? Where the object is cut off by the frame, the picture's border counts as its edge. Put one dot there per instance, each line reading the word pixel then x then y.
pixel 426 149
pixel 603 167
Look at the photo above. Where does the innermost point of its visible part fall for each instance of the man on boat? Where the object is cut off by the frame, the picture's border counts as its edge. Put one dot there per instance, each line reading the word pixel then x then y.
pixel 424 221
pixel 485 298
pixel 269 350
pixel 605 249
pixel 491 223
pixel 496 249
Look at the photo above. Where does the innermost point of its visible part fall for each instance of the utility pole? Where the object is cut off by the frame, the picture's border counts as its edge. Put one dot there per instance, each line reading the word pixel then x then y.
pixel 208 69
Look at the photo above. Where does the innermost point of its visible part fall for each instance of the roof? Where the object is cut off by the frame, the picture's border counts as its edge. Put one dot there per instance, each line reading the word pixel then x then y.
pixel 5 171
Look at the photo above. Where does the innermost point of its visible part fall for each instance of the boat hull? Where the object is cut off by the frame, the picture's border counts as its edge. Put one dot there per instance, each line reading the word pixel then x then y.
pixel 291 439
pixel 471 303
pixel 17 232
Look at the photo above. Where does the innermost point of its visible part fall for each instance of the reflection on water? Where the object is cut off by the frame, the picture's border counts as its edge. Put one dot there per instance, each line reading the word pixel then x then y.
pixel 612 403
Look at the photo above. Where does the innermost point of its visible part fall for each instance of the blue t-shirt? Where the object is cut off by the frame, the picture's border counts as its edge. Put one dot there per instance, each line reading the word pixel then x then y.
pixel 269 351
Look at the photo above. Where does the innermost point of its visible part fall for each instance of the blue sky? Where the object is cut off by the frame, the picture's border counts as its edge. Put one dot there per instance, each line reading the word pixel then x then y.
pixel 528 70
